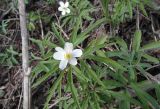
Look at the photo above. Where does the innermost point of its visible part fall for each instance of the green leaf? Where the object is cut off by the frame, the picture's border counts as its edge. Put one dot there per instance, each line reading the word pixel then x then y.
pixel 12 51
pixel 137 40
pixel 60 94
pixel 132 73
pixel 157 90
pixel 115 53
pixel 107 61
pixel 129 3
pixel 100 53
pixel 52 90
pixel 142 8
pixel 152 45
pixel 45 77
pixel 59 100
pixel 93 74
pixel 99 42
pixel 31 26
pixel 85 103
pixel 124 96
pixel 151 58
pixel 57 34
pixel 104 4
pixel 145 98
pixel 96 99
pixel 40 45
pixel 75 30
pixel 121 43
pixel 112 84
pixel 47 41
pixel 80 74
pixel 73 89
pixel 14 60
pixel 81 37
pixel 124 104
pixel 90 50
pixel 146 85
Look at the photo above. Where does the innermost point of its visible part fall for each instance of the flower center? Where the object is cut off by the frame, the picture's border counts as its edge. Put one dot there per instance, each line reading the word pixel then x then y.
pixel 68 56
pixel 64 8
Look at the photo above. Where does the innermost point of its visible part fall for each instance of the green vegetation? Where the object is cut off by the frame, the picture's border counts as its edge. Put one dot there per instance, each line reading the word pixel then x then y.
pixel 116 71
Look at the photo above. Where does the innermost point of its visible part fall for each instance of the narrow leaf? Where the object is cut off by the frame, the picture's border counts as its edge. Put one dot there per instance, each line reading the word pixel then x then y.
pixel 84 35
pixel 52 90
pixel 145 97
pixel 45 77
pixel 137 40
pixel 152 45
pixel 73 89
pixel 107 61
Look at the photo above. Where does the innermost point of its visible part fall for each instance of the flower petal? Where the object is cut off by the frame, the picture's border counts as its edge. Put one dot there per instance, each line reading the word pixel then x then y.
pixel 73 61
pixel 59 49
pixel 58 55
pixel 68 47
pixel 61 4
pixel 66 4
pixel 77 53
pixel 60 9
pixel 63 64
pixel 63 12
pixel 68 10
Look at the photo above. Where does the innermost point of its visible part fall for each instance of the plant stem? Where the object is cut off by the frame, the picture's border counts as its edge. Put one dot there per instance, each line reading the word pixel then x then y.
pixel 25 57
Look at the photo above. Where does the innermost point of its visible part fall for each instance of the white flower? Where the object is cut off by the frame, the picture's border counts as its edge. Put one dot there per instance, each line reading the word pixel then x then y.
pixel 67 55
pixel 64 7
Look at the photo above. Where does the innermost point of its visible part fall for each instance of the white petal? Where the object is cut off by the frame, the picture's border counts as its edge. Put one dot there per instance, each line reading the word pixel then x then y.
pixel 61 4
pixel 77 53
pixel 58 55
pixel 66 4
pixel 60 9
pixel 63 12
pixel 59 49
pixel 68 47
pixel 63 64
pixel 68 10
pixel 73 61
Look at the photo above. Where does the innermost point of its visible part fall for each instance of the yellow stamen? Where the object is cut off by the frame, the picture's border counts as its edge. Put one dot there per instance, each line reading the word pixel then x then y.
pixel 68 56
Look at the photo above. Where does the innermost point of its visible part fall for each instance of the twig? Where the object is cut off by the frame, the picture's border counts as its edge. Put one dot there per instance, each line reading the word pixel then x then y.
pixel 20 101
pixel 153 67
pixel 154 79
pixel 57 101
pixel 4 14
pixel 41 26
pixel 1 35
pixel 153 29
pixel 60 28
pixel 25 56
